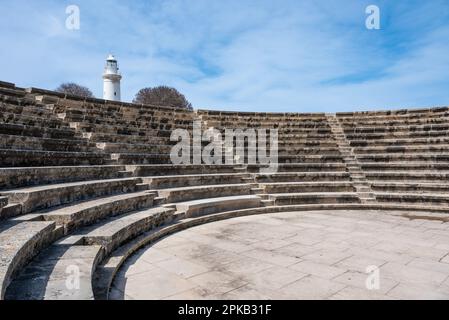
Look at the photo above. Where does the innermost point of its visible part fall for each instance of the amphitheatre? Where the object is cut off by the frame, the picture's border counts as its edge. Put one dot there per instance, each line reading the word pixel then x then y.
pixel 91 206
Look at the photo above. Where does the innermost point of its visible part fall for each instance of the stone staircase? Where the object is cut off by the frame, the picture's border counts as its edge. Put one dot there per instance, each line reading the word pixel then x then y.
pixel 361 184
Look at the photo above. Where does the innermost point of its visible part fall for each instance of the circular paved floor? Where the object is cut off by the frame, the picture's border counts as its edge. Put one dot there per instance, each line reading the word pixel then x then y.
pixel 295 255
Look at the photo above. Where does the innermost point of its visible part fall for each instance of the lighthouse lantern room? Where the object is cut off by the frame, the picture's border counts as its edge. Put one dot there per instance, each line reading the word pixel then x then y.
pixel 111 80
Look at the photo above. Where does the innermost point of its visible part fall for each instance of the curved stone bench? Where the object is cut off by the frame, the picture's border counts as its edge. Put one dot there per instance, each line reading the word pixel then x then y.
pixel 124 138
pixel 403 149
pixel 401 142
pixel 200 192
pixel 36 131
pixel 36 111
pixel 177 181
pixel 310 158
pixel 134 148
pixel 314 198
pixel 47 196
pixel 33 158
pixel 281 177
pixel 402 166
pixel 420 198
pixel 399 128
pixel 387 157
pixel 112 233
pixel 79 254
pixel 398 135
pixel 407 186
pixel 310 186
pixel 19 243
pixel 407 176
pixel 212 205
pixel 60 272
pixel 140 158
pixel 88 212
pixel 168 169
pixel 26 177
pixel 44 144
pixel 13 117
pixel 406 121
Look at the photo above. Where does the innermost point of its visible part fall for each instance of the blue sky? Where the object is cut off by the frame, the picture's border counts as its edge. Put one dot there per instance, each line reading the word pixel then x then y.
pixel 289 56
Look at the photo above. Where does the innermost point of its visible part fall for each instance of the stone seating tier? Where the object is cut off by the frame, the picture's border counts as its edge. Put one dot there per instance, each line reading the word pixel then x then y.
pixel 36 131
pixel 47 196
pixel 315 198
pixel 412 166
pixel 401 142
pixel 440 119
pixel 83 181
pixel 397 135
pixel 45 144
pixel 402 128
pixel 26 177
pixel 33 158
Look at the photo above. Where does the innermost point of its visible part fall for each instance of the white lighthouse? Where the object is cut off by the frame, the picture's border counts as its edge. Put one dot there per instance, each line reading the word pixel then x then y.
pixel 111 80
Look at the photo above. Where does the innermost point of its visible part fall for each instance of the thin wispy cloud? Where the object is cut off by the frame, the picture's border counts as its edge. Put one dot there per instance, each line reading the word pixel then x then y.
pixel 292 56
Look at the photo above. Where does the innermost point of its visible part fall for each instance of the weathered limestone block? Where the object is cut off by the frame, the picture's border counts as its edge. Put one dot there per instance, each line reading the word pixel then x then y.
pixel 42 197
pixel 19 242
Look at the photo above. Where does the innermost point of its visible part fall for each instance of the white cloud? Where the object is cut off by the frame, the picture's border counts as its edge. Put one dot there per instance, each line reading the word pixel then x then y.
pixel 239 55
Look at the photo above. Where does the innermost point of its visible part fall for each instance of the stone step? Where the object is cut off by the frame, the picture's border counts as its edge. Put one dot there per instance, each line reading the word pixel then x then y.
pixel 307 187
pixel 410 187
pixel 44 144
pixel 31 120
pixel 302 167
pixel 165 182
pixel 310 158
pixel 115 231
pixel 19 243
pixel 213 205
pixel 431 157
pixel 9 89
pixel 22 177
pixel 36 131
pixel 47 196
pixel 33 110
pixel 397 135
pixel 124 138
pixel 134 148
pixel 404 166
pixel 257 191
pixel 268 202
pixel 88 212
pixel 403 149
pixel 315 198
pixel 34 158
pixel 415 198
pixel 412 175
pixel 47 276
pixel 10 211
pixel 397 128
pixel 94 117
pixel 140 158
pixel 127 129
pixel 302 177
pixel 200 192
pixel 401 142
pixel 409 119
pixel 171 170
